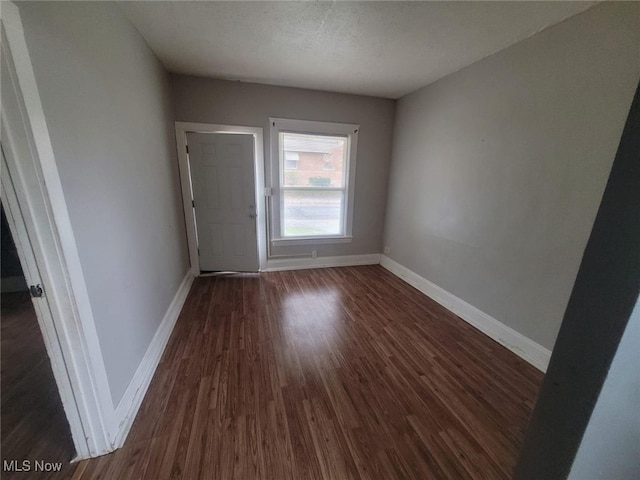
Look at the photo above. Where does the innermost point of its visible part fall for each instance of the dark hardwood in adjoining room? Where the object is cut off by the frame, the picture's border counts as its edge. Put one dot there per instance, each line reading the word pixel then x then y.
pixel 34 426
pixel 333 374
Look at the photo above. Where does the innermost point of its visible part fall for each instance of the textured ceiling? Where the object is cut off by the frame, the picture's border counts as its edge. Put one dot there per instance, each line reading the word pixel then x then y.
pixel 385 49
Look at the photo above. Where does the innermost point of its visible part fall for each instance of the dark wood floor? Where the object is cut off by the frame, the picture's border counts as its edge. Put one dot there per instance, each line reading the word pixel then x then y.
pixel 33 425
pixel 328 374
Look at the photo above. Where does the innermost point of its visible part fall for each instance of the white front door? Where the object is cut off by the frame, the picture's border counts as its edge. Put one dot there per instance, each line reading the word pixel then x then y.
pixel 223 182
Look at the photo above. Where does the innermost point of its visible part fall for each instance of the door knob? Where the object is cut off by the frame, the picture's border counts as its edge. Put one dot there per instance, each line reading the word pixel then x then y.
pixel 36 291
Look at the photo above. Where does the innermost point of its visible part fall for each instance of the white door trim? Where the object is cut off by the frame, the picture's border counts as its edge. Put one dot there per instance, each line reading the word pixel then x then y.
pixel 182 128
pixel 35 203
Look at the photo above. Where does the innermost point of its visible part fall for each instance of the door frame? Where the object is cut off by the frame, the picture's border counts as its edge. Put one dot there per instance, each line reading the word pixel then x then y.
pixel 39 221
pixel 182 128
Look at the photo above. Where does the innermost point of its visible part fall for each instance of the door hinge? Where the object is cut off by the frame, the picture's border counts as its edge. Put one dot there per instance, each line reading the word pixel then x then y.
pixel 36 291
pixel 193 203
pixel 187 147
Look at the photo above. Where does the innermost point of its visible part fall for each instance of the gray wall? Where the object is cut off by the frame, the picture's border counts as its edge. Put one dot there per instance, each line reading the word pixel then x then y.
pixel 107 106
pixel 497 170
pixel 601 306
pixel 233 103
pixel 611 443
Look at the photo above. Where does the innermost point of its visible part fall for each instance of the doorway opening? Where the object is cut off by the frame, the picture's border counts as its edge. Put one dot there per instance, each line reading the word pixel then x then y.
pixel 34 426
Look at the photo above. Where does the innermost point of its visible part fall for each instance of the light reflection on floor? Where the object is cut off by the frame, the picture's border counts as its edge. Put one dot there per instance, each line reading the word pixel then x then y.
pixel 313 323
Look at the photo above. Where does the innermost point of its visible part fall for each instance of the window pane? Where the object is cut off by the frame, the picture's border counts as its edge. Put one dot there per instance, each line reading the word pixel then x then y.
pixel 320 160
pixel 311 213
pixel 290 164
pixel 291 160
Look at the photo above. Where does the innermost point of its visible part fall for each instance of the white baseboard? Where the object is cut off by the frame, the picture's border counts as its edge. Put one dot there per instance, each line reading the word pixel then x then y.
pixel 321 262
pixel 128 407
pixel 527 349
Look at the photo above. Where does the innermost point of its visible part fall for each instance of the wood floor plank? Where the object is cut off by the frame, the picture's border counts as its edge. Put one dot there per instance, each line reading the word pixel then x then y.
pixel 33 425
pixel 330 374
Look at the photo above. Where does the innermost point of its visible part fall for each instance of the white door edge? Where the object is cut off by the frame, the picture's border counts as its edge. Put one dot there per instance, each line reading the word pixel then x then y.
pixel 182 128
pixel 35 202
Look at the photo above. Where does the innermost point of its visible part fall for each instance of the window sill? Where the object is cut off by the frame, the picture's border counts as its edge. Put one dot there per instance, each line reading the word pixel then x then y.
pixel 283 242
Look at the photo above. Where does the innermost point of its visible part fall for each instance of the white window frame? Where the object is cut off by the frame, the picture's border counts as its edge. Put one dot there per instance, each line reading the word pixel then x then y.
pixel 283 125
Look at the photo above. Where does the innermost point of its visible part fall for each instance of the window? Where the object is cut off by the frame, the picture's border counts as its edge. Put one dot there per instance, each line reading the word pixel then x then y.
pixel 314 164
pixel 291 160
pixel 328 162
